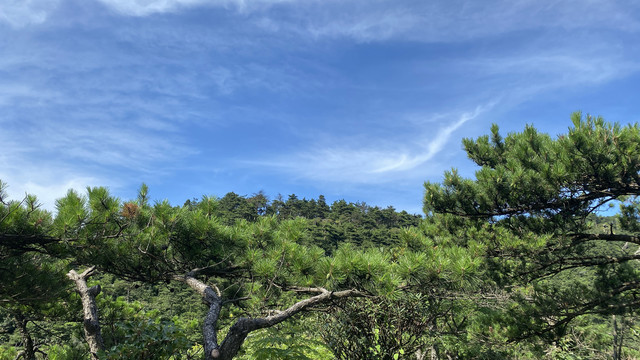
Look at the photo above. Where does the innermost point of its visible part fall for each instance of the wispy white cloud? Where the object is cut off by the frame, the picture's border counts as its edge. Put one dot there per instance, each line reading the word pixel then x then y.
pixel 367 164
pixel 157 125
pixel 56 137
pixel 49 188
pixel 368 25
pixel 29 170
pixel 569 67
pixel 48 159
pixel 15 92
pixel 105 98
pixel 462 20
pixel 521 76
pixel 149 7
pixel 20 13
pixel 376 20
pixel 72 116
pixel 440 140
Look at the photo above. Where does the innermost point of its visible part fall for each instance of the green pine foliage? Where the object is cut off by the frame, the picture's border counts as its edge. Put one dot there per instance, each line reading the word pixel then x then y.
pixel 516 262
pixel 540 194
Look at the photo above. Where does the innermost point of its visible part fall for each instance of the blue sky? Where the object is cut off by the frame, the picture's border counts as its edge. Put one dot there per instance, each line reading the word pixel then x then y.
pixel 356 99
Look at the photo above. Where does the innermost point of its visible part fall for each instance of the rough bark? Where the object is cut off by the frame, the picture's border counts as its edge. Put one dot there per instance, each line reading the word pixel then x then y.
pixel 91 323
pixel 243 326
pixel 618 336
pixel 29 352
pixel 213 299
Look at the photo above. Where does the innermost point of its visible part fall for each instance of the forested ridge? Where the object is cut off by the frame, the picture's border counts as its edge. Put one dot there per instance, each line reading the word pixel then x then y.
pixel 536 257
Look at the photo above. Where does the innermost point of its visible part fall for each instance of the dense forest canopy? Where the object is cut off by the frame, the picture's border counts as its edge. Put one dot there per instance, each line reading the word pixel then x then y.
pixel 517 262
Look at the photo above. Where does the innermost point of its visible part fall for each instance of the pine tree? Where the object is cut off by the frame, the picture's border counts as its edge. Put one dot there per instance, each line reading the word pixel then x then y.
pixel 536 195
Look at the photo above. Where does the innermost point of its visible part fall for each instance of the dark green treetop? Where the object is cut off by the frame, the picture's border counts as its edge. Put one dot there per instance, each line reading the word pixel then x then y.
pixel 537 192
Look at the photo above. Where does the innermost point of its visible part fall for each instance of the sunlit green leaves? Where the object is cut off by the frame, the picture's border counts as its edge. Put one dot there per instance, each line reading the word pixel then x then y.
pixel 71 213
pixel 526 214
pixel 532 174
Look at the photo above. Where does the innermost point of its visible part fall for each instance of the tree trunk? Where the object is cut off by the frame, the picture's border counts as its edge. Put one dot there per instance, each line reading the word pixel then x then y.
pixel 213 299
pixel 29 352
pixel 91 324
pixel 243 326
pixel 618 337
